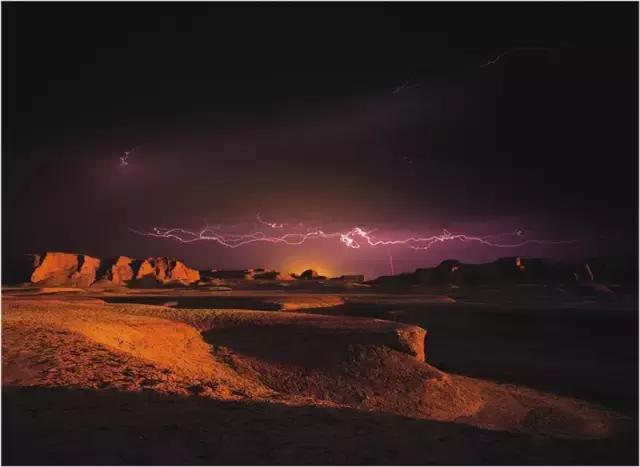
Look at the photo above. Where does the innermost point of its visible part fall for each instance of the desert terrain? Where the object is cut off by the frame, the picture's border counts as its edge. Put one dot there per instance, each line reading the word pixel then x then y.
pixel 181 370
pixel 320 234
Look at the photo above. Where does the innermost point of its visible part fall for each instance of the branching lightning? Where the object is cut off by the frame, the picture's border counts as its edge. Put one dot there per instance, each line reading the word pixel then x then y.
pixel 273 225
pixel 354 238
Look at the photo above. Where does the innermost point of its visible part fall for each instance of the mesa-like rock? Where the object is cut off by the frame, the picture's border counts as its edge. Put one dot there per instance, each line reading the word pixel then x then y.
pixel 58 269
pixel 64 269
pixel 165 270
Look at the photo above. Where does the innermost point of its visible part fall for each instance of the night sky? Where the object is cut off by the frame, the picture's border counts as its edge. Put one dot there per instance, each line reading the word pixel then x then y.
pixel 290 111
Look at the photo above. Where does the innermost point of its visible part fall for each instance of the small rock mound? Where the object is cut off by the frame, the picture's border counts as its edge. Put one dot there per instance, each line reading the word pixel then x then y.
pixel 309 274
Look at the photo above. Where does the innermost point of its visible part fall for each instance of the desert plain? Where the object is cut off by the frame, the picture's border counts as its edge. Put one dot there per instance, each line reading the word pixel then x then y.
pixel 317 371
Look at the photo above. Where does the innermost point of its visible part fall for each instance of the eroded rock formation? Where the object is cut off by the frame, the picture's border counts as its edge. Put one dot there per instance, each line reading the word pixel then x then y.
pixel 76 270
pixel 165 270
pixel 68 269
pixel 117 271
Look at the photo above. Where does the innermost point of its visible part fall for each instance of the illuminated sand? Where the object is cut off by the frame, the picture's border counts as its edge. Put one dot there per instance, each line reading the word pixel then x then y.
pixel 308 388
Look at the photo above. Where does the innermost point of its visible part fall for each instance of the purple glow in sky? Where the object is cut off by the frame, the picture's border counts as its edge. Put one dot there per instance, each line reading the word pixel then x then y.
pixel 402 132
pixel 332 241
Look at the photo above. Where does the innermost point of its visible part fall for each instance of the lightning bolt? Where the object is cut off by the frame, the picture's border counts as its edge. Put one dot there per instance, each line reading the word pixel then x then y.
pixel 391 267
pixel 354 238
pixel 273 225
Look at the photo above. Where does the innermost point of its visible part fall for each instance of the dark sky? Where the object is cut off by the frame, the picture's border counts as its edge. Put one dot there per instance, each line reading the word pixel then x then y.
pixel 289 110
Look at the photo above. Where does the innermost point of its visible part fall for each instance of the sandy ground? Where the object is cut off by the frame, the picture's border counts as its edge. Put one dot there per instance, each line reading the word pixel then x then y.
pixel 85 381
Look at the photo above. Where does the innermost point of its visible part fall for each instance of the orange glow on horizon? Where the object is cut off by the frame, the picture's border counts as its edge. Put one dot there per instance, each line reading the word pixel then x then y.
pixel 299 265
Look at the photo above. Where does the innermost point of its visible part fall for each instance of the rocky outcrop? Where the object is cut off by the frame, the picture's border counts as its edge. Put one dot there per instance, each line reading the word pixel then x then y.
pixel 309 274
pixel 163 270
pixel 244 274
pixel 53 269
pixel 57 269
pixel 507 271
pixel 269 275
pixel 64 269
pixel 116 271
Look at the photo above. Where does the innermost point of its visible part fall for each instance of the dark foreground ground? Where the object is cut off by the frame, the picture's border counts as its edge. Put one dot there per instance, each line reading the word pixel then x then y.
pixel 57 426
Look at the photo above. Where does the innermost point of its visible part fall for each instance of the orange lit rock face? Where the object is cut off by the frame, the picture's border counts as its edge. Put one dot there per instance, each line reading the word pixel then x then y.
pixel 65 269
pixel 166 271
pixel 178 271
pixel 69 269
pixel 146 273
pixel 122 271
pixel 87 273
